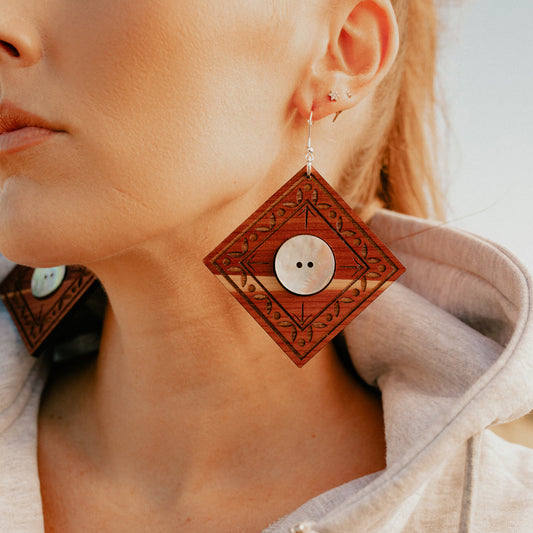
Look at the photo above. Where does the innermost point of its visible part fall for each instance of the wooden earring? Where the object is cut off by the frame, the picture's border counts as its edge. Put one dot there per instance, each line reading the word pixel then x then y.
pixel 304 264
pixel 40 299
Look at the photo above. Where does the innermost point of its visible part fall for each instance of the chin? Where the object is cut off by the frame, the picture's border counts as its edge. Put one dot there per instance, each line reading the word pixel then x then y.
pixel 27 241
pixel 24 253
pixel 40 230
pixel 37 256
pixel 39 244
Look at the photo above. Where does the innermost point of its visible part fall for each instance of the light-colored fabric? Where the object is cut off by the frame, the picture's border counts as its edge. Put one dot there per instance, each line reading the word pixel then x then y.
pixel 22 379
pixel 450 347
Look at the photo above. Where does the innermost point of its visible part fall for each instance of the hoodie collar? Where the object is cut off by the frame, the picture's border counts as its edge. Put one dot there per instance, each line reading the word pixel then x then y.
pixel 449 348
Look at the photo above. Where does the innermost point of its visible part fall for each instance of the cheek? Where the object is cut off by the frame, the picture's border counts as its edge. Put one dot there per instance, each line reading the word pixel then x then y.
pixel 169 114
pixel 166 99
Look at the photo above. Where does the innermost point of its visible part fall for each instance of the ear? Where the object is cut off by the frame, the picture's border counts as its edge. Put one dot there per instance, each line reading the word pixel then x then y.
pixel 362 46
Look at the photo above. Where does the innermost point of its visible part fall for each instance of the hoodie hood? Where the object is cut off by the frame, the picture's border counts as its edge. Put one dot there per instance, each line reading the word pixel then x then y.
pixel 450 346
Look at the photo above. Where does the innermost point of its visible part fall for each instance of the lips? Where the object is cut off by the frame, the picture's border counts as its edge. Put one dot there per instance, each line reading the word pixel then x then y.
pixel 20 129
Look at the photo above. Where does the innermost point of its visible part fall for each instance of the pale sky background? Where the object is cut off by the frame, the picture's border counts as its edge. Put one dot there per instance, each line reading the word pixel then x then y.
pixel 487 78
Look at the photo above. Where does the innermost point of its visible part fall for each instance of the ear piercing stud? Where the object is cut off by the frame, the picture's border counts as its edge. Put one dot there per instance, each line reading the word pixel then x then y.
pixel 334 95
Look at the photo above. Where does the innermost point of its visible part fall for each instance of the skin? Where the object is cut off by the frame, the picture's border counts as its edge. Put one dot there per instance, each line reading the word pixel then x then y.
pixel 177 120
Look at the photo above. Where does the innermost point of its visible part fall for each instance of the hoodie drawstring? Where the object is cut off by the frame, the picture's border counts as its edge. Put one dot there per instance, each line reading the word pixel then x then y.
pixel 471 475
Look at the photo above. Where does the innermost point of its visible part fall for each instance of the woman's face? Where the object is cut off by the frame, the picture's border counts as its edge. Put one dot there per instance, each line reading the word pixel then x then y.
pixel 167 109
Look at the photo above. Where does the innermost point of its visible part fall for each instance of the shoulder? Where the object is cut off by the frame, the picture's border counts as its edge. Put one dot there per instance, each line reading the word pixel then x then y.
pixel 505 489
pixel 507 463
pixel 22 379
pixel 16 365
pixel 487 485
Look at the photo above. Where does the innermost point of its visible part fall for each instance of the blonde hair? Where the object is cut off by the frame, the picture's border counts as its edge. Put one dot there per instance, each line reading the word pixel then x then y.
pixel 395 168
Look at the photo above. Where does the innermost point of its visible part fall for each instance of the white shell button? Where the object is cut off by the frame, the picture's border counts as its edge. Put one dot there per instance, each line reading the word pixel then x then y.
pixel 45 281
pixel 304 265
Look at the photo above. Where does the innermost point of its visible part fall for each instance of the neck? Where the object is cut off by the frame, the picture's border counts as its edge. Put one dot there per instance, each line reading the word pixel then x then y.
pixel 185 377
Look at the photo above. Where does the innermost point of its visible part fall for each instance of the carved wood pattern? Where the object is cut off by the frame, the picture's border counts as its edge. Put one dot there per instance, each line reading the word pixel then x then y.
pixel 37 318
pixel 244 262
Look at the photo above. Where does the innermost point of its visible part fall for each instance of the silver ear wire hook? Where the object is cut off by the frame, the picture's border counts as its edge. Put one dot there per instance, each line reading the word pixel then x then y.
pixel 310 153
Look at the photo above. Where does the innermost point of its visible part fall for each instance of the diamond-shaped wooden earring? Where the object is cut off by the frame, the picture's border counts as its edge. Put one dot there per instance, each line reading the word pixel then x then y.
pixel 304 264
pixel 40 299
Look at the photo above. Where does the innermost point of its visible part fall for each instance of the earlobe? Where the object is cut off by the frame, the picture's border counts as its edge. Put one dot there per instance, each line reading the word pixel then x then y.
pixel 363 43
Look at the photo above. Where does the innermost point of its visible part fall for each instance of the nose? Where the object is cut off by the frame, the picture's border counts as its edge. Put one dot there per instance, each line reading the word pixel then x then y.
pixel 20 42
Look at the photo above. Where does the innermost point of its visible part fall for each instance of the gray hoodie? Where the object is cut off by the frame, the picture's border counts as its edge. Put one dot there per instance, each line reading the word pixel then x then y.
pixel 451 348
